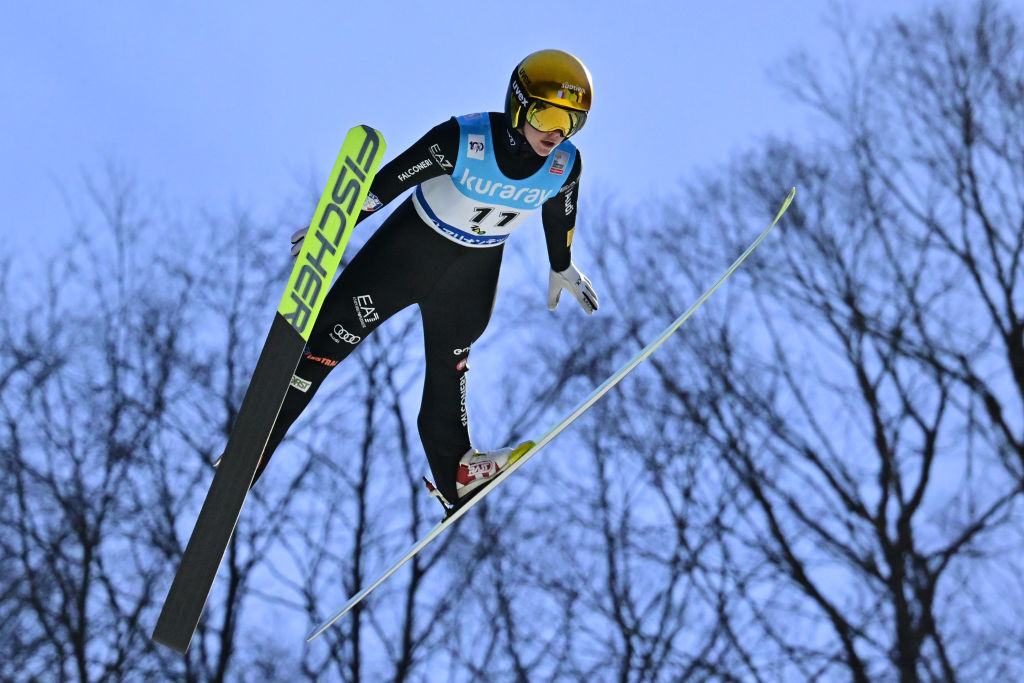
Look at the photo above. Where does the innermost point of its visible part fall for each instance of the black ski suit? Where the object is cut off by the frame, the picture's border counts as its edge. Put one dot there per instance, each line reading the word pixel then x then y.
pixel 409 261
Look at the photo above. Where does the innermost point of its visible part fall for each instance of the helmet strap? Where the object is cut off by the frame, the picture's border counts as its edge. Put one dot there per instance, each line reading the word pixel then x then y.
pixel 514 138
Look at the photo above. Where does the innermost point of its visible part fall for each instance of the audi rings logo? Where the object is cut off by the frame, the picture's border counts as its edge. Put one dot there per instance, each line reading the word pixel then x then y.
pixel 340 334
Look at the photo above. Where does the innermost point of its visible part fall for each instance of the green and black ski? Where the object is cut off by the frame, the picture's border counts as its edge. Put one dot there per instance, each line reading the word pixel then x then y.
pixel 311 277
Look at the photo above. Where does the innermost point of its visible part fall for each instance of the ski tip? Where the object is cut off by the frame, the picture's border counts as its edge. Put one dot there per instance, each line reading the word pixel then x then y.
pixel 369 131
pixel 785 205
pixel 789 198
pixel 521 450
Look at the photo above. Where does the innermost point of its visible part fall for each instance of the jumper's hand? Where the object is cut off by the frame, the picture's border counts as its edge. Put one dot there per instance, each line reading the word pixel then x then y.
pixel 578 285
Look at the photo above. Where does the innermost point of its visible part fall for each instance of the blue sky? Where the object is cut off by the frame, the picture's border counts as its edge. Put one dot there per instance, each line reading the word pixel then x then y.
pixel 219 104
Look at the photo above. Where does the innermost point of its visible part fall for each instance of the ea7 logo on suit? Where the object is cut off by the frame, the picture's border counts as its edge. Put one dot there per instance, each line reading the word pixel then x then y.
pixel 435 151
pixel 365 309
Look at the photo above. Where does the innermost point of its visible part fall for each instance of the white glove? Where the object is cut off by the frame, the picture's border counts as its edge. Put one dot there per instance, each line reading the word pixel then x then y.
pixel 577 284
pixel 297 241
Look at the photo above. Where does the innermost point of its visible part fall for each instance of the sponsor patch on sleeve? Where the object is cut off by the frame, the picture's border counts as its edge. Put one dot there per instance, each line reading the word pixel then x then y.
pixel 476 146
pixel 559 162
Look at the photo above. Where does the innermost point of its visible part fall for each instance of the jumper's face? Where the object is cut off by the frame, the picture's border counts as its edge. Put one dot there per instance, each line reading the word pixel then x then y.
pixel 542 143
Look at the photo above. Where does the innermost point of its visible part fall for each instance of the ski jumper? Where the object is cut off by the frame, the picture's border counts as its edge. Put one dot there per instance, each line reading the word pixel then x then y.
pixel 475 181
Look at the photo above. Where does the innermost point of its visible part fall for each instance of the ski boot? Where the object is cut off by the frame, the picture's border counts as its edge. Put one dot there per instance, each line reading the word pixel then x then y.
pixel 476 469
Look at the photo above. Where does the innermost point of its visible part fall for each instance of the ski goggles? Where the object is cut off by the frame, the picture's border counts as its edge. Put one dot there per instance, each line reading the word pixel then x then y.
pixel 548 117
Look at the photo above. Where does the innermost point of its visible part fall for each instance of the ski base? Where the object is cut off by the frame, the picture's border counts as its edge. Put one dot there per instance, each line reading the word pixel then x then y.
pixel 219 514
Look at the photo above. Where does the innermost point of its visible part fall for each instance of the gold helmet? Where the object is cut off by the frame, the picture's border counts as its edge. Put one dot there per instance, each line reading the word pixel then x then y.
pixel 550 90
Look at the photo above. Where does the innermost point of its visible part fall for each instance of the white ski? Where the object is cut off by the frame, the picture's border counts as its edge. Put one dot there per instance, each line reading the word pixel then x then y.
pixel 551 434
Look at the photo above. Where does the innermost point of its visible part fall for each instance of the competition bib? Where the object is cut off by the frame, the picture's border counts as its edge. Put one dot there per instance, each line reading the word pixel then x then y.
pixel 477 205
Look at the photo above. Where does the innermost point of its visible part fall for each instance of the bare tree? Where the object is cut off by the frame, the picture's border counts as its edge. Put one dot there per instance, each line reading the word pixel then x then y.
pixel 121 374
pixel 865 395
pixel 235 278
pixel 819 477
pixel 89 378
